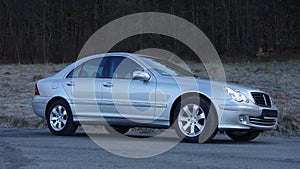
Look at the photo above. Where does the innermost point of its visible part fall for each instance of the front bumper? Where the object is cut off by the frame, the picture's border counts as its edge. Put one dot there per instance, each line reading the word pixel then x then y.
pixel 248 116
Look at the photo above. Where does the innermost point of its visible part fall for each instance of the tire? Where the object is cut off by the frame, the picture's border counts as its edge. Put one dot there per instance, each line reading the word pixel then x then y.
pixel 60 119
pixel 242 136
pixel 195 120
pixel 119 129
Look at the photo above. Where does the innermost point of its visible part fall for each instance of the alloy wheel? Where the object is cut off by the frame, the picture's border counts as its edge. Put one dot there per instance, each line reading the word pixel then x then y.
pixel 58 118
pixel 191 120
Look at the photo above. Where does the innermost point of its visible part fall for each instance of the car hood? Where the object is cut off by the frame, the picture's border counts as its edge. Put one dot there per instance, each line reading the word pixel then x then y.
pixel 234 86
pixel 211 88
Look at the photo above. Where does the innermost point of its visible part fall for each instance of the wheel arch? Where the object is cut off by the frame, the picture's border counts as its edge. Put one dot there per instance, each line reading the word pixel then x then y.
pixel 185 95
pixel 53 100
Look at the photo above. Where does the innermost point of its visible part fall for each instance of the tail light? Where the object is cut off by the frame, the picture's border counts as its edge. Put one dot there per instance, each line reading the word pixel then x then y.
pixel 36 90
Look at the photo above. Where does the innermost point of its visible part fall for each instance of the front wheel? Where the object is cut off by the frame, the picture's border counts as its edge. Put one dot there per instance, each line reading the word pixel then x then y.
pixel 243 136
pixel 60 119
pixel 196 120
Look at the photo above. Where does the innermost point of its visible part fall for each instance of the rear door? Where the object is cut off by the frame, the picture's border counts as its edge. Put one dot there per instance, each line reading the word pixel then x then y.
pixel 84 89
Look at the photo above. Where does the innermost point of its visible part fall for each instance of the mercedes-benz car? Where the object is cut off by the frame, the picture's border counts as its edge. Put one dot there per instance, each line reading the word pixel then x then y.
pixel 124 90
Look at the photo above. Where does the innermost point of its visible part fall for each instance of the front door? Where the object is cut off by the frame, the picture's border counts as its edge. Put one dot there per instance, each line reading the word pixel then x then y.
pixel 123 97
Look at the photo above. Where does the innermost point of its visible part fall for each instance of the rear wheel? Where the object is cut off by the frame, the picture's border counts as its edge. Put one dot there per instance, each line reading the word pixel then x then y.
pixel 243 136
pixel 60 119
pixel 195 120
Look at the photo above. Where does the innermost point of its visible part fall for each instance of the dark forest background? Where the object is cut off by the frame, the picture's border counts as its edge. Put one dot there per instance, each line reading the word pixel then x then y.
pixel 54 31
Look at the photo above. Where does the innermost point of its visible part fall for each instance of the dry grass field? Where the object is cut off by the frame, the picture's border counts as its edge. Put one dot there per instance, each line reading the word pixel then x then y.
pixel 280 79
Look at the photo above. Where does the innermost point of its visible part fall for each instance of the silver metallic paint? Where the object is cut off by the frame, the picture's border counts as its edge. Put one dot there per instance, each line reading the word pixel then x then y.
pixel 228 110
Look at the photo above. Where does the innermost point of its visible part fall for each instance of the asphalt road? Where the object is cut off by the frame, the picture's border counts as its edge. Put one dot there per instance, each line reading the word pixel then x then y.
pixel 26 148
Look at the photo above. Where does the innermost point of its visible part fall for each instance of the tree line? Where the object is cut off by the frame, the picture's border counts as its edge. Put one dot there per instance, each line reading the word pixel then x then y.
pixel 47 31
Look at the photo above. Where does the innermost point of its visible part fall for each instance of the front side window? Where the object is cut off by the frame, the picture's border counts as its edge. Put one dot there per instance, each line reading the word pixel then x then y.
pixel 123 68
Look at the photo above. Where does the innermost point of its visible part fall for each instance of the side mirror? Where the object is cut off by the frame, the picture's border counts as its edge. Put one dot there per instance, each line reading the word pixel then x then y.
pixel 140 75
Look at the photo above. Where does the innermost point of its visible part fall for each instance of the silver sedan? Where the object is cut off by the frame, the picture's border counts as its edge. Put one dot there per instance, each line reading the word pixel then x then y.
pixel 125 90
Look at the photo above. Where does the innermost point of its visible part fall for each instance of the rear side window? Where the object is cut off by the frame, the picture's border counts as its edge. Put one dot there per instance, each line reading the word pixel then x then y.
pixel 89 69
pixel 75 73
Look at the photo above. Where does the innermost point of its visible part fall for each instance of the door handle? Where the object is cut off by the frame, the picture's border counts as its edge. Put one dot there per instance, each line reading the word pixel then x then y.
pixel 108 84
pixel 70 83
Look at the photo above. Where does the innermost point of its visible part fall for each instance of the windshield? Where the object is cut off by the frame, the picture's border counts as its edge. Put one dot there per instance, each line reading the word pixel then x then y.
pixel 166 68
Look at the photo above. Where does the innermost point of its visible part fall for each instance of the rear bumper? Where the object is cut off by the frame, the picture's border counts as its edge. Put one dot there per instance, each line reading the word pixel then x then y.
pixel 39 106
pixel 248 117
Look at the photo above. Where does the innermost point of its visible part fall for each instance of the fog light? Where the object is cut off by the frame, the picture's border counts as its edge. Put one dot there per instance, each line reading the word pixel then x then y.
pixel 243 119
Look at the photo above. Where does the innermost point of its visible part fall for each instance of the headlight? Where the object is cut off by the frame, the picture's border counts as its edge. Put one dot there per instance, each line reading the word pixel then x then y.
pixel 236 95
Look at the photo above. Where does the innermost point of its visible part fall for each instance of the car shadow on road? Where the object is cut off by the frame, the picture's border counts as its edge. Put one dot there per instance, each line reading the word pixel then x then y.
pixel 219 139
pixel 43 133
pixel 228 141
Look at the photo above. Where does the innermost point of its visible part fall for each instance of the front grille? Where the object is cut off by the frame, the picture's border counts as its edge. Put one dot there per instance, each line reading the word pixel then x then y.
pixel 261 99
pixel 261 121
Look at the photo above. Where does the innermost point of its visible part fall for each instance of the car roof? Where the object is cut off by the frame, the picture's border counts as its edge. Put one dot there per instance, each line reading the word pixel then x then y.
pixel 124 54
